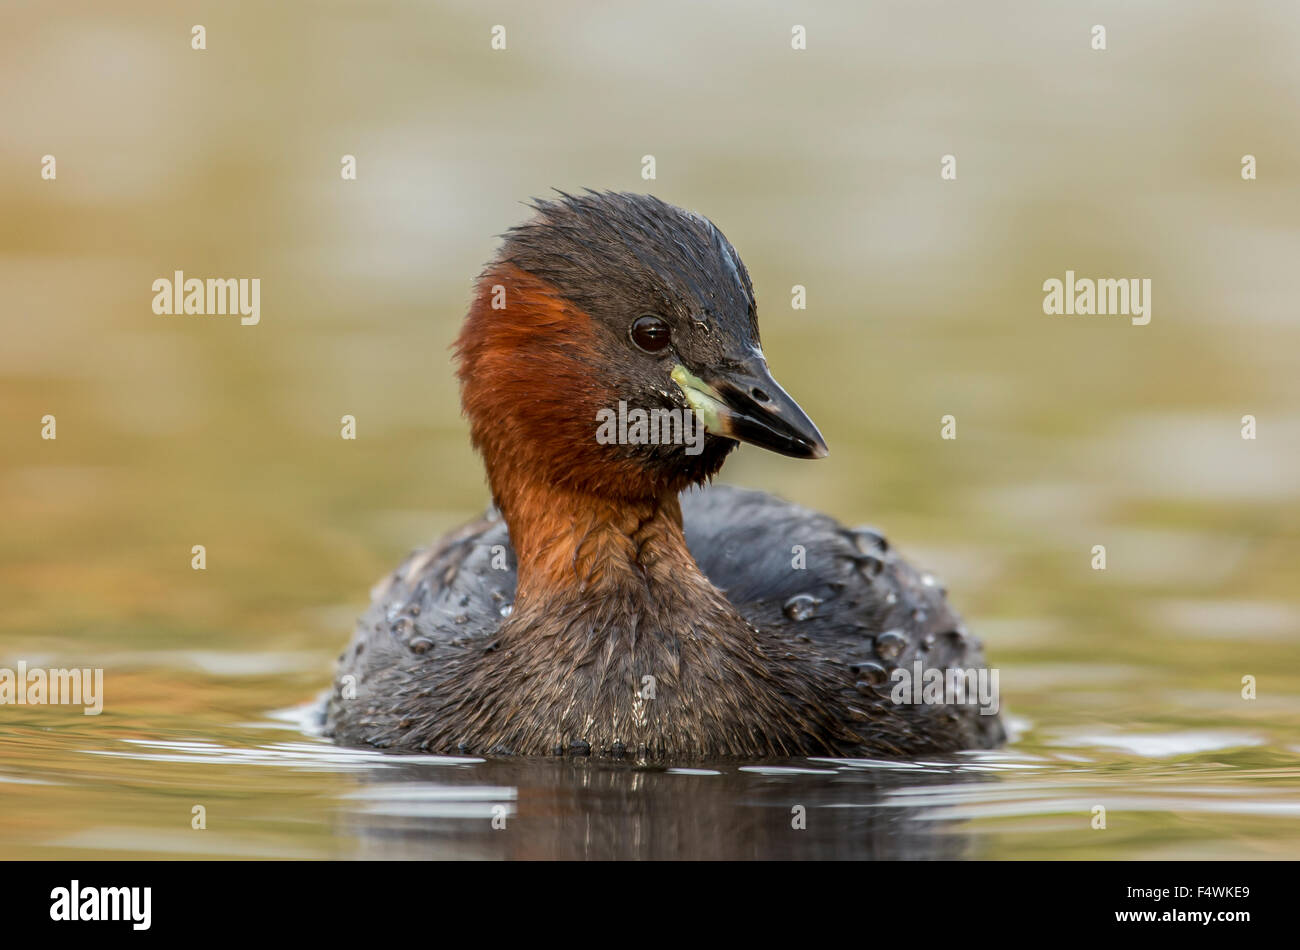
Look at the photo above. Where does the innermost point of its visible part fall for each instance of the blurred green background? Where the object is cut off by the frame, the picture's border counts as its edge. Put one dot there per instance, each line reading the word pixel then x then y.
pixel 822 167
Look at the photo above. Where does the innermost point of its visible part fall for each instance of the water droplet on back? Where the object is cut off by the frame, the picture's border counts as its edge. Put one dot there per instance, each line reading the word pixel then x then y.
pixel 890 643
pixel 869 540
pixel 871 675
pixel 801 607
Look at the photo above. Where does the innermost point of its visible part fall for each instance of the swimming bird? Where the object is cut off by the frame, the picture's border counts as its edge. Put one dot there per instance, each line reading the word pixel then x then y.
pixel 612 602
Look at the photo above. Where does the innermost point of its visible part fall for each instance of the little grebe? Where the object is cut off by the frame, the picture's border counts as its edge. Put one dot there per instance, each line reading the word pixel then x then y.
pixel 602 608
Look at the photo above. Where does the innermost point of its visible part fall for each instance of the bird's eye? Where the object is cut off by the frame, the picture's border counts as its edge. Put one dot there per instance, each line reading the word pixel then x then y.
pixel 651 333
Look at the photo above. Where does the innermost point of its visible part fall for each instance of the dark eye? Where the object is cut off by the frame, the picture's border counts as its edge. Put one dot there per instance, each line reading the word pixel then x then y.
pixel 651 333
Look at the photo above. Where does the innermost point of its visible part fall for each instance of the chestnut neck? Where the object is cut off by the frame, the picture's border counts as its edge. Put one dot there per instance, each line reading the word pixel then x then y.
pixel 575 545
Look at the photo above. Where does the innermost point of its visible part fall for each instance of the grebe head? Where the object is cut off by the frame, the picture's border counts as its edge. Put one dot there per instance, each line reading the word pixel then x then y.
pixel 603 299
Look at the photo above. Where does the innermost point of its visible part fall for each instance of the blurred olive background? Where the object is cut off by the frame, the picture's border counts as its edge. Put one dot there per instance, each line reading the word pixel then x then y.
pixel 822 167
